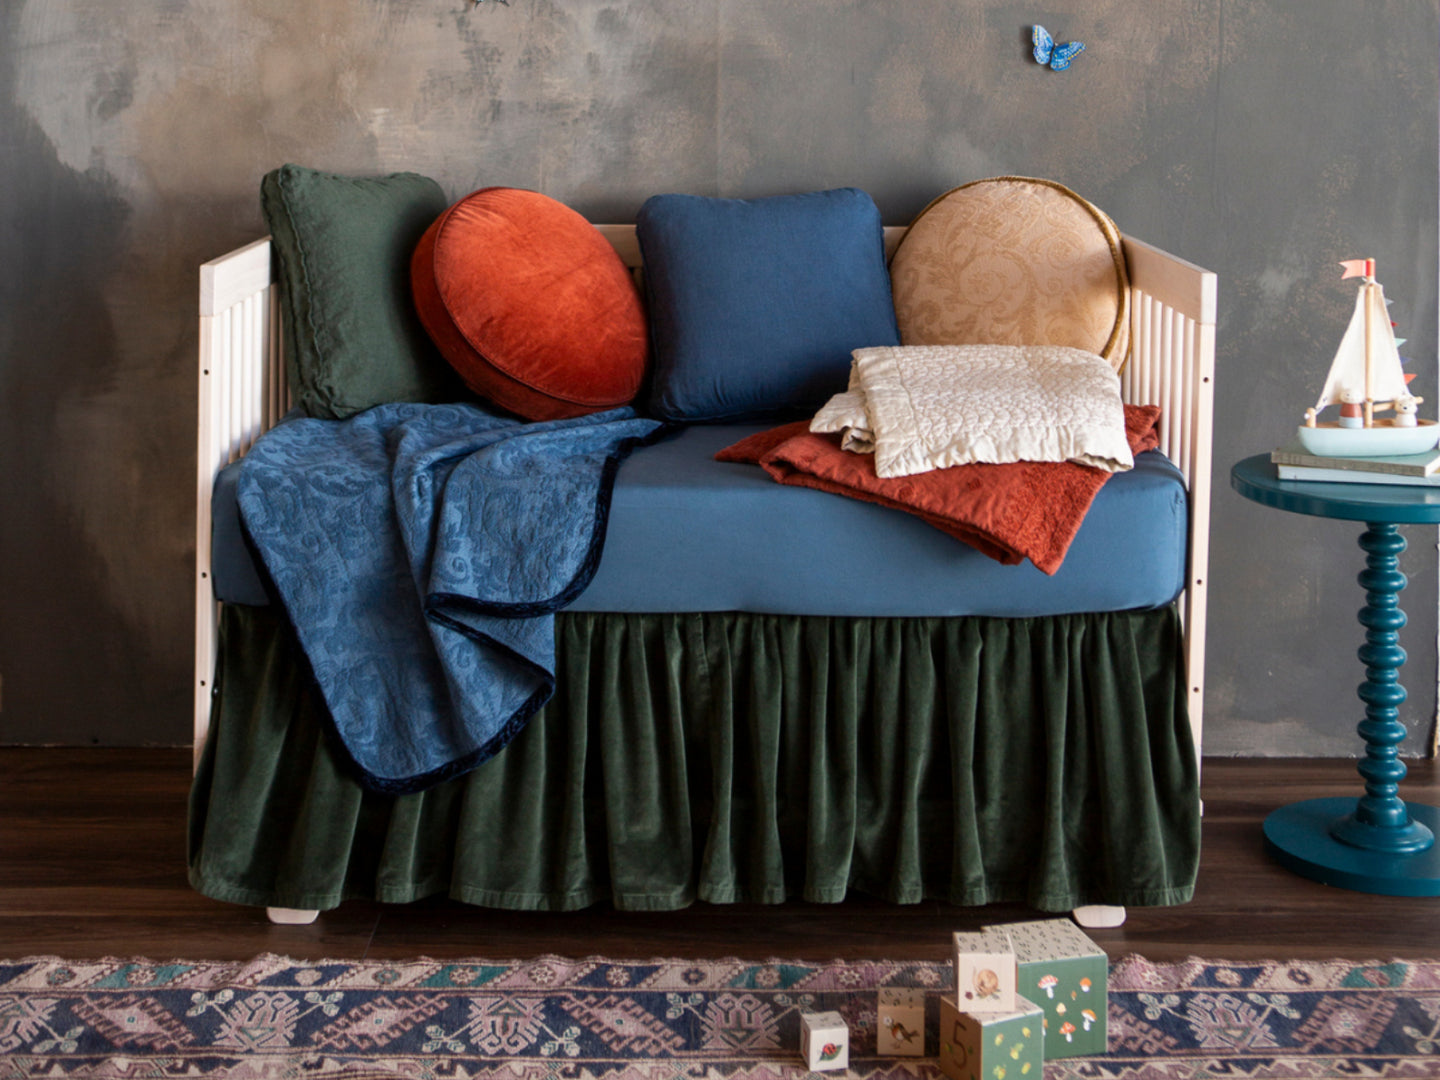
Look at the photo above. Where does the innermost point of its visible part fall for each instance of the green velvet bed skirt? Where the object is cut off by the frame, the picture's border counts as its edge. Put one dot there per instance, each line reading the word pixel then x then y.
pixel 737 757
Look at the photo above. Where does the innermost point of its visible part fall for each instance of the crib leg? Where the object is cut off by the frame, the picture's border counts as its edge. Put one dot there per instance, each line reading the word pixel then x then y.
pixel 1099 916
pixel 289 916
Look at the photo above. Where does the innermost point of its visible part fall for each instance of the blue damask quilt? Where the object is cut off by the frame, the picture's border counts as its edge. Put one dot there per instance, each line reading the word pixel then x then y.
pixel 420 552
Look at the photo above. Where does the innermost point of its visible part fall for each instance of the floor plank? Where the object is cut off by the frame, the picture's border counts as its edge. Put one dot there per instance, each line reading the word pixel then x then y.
pixel 92 863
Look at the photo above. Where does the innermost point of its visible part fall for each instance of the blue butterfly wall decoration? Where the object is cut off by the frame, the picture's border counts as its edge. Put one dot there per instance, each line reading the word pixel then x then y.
pixel 1057 54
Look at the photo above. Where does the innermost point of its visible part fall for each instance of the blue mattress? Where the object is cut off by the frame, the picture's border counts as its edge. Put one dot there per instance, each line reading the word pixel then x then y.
pixel 688 533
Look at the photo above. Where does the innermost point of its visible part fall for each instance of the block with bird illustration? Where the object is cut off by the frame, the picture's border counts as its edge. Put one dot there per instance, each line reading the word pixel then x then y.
pixel 900 1027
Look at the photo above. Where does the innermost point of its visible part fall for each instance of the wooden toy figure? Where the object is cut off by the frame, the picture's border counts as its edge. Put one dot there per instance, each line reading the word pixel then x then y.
pixel 1352 408
pixel 1405 408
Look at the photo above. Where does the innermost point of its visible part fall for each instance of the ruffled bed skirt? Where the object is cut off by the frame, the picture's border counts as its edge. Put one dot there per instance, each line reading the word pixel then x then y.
pixel 737 757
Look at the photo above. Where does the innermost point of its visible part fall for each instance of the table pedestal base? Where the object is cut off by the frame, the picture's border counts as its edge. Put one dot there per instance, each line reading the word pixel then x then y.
pixel 1298 837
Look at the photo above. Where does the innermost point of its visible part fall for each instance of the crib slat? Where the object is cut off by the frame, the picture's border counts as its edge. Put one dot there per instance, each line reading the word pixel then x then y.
pixel 1157 351
pixel 1137 348
pixel 1147 329
pixel 1169 384
pixel 224 373
pixel 252 376
pixel 278 361
pixel 1138 358
pixel 275 384
pixel 236 372
pixel 1187 398
pixel 257 369
pixel 247 374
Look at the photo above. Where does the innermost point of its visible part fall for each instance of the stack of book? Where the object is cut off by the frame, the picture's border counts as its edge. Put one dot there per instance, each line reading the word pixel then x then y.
pixel 1294 463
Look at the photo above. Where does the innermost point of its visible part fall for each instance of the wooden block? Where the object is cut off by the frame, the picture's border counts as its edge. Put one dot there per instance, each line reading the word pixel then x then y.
pixel 901 1028
pixel 992 1046
pixel 985 972
pixel 1065 973
pixel 824 1041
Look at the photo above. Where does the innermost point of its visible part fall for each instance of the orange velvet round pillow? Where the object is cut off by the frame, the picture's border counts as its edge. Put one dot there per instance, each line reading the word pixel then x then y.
pixel 531 305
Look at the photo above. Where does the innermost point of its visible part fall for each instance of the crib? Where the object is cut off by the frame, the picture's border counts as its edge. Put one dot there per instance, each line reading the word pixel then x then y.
pixel 242 394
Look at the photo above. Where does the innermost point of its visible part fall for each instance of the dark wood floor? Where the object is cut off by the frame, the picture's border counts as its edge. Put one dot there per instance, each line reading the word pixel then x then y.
pixel 92 864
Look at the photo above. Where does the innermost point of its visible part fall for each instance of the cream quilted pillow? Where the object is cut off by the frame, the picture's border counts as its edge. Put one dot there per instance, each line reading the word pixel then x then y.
pixel 924 407
pixel 1013 261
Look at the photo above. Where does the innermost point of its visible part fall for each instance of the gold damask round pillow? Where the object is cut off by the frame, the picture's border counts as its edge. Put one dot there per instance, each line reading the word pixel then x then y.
pixel 1013 261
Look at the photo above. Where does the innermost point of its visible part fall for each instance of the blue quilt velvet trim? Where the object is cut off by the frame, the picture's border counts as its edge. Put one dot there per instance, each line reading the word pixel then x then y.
pixel 420 551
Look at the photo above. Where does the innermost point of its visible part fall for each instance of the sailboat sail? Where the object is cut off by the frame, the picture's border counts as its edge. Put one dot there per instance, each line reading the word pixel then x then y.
pixel 1347 370
pixel 1366 376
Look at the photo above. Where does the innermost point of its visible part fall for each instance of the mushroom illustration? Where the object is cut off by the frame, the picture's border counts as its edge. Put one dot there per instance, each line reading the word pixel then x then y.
pixel 1087 1017
pixel 1067 1029
pixel 1085 985
pixel 1048 984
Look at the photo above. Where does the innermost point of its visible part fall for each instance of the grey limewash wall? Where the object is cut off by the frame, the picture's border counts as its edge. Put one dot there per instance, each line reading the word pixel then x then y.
pixel 1264 139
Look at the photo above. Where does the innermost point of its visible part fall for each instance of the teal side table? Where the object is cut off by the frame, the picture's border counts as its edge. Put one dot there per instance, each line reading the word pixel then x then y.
pixel 1377 843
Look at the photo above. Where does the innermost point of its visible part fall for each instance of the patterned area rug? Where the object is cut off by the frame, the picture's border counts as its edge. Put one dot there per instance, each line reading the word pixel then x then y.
pixel 672 1019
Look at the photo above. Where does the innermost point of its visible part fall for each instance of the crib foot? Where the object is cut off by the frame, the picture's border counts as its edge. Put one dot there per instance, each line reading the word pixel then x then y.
pixel 289 916
pixel 1099 916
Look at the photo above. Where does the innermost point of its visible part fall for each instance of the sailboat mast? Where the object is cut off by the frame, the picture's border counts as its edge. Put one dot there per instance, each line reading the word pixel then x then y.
pixel 1369 347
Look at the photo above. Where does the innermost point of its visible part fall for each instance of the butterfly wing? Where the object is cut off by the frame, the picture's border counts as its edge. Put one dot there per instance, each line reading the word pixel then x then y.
pixel 1044 43
pixel 1062 54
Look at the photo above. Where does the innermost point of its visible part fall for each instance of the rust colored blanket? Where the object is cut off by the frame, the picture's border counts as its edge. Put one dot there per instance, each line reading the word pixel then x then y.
pixel 1028 509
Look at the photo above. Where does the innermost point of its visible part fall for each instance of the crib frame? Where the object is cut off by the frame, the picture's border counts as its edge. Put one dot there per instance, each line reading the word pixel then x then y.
pixel 242 394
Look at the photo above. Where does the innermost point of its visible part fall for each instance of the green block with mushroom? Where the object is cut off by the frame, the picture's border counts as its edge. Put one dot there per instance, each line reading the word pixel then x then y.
pixel 1064 972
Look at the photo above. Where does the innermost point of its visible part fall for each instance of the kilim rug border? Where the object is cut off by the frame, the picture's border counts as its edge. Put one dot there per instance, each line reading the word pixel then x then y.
pixel 553 1017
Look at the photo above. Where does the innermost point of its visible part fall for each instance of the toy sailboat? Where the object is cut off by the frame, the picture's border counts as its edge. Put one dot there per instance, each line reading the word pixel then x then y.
pixel 1365 378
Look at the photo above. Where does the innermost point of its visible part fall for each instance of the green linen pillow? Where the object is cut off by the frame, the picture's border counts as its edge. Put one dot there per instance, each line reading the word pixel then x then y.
pixel 352 338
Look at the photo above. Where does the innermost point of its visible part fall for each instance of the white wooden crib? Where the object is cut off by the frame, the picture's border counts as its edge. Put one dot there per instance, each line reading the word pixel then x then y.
pixel 242 394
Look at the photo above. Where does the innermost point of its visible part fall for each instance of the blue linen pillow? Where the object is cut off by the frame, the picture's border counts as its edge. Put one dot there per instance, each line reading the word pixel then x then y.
pixel 755 304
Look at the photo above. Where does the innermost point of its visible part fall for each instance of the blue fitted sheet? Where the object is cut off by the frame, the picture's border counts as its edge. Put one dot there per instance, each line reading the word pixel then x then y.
pixel 688 533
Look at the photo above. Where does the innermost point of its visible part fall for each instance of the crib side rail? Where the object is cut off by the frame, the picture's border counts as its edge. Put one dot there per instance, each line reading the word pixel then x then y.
pixel 1172 364
pixel 241 394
